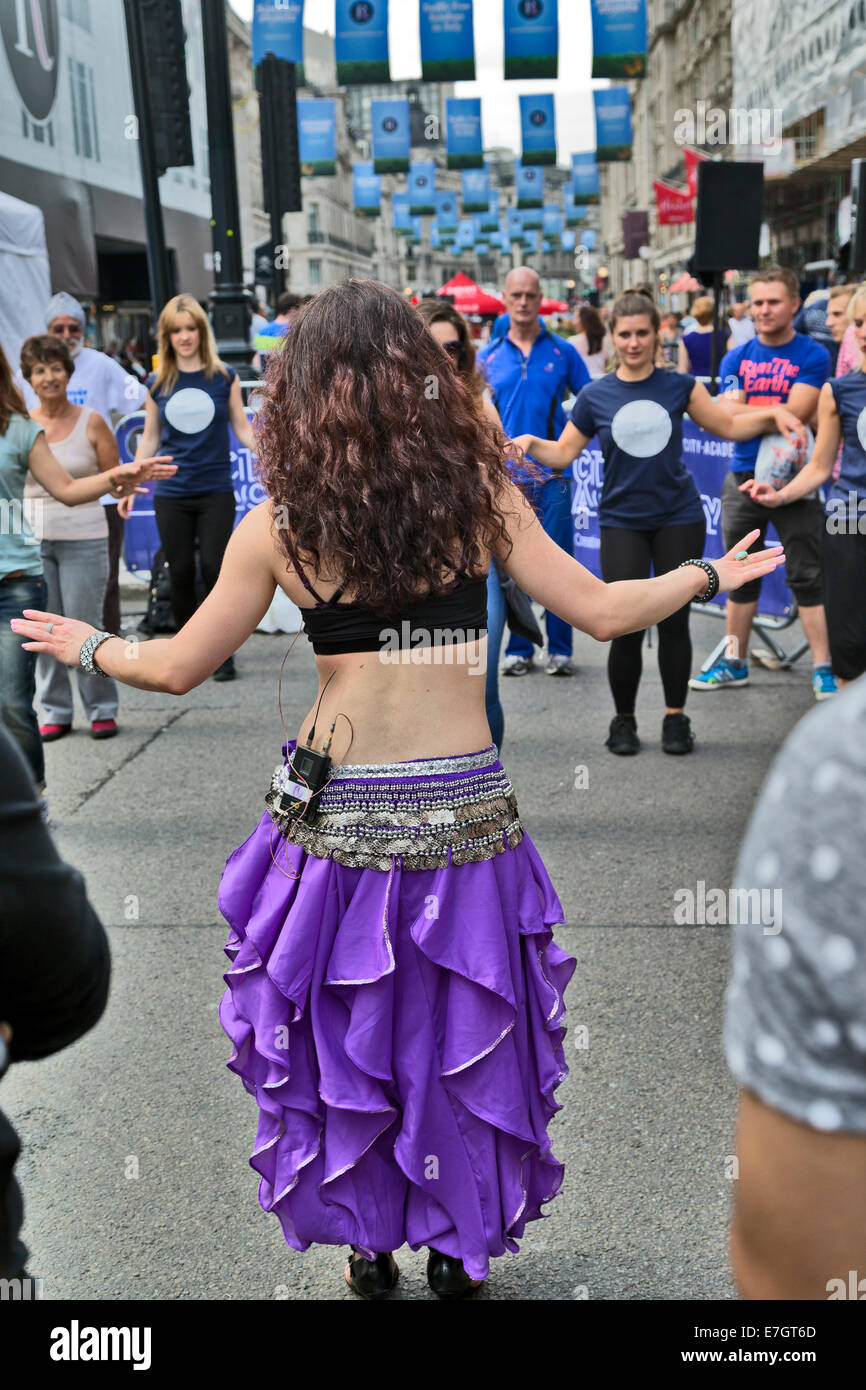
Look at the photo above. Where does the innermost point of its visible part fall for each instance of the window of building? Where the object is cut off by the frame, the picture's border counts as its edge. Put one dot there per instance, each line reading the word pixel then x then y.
pixel 77 12
pixel 313 221
pixel 83 109
pixel 315 272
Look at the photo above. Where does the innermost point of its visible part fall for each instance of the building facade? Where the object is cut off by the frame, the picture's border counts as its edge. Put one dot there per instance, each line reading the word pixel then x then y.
pixel 689 69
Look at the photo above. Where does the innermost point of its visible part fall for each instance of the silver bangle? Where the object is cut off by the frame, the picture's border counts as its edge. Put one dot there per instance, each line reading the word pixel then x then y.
pixel 88 647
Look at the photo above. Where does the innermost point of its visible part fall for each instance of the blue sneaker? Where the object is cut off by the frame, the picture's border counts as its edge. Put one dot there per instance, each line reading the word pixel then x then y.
pixel 824 683
pixel 722 674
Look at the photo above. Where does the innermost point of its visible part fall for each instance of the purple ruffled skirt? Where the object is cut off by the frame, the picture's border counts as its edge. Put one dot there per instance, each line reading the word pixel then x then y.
pixel 401 1028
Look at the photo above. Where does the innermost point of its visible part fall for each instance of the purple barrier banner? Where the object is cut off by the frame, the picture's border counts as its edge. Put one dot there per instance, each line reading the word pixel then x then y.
pixel 708 460
pixel 141 537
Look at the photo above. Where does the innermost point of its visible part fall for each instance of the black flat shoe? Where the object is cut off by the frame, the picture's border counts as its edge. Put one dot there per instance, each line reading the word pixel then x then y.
pixel 677 736
pixel 623 738
pixel 447 1277
pixel 372 1278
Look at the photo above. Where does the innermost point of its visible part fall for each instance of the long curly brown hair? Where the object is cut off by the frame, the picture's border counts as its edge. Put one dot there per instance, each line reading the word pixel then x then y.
pixel 371 450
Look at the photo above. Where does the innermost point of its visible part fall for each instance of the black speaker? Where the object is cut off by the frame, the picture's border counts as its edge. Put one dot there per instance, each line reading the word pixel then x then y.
pixel 729 215
pixel 278 111
pixel 164 42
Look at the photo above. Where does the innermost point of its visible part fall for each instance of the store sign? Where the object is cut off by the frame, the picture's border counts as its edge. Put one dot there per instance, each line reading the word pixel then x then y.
pixel 31 36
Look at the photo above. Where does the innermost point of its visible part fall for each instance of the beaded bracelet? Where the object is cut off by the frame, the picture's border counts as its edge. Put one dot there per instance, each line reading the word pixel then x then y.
pixel 713 587
pixel 88 648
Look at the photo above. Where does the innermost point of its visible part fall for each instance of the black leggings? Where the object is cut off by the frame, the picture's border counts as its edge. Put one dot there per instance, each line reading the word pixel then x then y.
pixel 209 516
pixel 628 555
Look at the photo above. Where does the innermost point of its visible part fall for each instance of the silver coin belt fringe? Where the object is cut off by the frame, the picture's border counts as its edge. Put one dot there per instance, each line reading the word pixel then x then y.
pixel 366 817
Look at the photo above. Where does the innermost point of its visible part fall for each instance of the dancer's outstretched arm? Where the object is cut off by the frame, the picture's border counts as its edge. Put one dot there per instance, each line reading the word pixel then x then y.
pixel 232 610
pixel 563 586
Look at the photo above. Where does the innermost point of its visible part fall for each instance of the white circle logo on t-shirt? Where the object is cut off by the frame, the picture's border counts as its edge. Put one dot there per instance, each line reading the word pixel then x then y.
pixel 641 428
pixel 861 428
pixel 190 410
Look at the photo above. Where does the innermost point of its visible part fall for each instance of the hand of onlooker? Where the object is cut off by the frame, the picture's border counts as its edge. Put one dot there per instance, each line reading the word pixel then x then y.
pixel 129 475
pixel 125 506
pixel 791 426
pixel 764 493
pixel 733 573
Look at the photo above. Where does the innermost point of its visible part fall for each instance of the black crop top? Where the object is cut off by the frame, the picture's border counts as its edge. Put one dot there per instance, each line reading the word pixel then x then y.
pixel 460 615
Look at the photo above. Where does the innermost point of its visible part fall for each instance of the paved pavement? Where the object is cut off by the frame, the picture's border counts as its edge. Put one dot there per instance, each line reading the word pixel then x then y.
pixel 136 1139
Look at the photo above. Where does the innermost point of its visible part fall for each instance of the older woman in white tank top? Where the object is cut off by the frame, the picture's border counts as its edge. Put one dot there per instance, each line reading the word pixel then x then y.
pixel 74 539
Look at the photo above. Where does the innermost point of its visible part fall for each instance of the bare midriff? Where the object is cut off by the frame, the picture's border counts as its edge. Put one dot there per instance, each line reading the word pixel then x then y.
pixel 426 702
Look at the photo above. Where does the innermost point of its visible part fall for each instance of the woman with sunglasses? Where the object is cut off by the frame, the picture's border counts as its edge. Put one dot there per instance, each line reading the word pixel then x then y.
pixel 451 331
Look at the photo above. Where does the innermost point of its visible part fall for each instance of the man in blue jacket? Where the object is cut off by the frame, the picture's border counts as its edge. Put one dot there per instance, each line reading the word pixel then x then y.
pixel 530 371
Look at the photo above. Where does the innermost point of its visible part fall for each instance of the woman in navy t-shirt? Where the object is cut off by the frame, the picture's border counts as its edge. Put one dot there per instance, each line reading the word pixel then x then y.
pixel 841 418
pixel 650 512
pixel 191 400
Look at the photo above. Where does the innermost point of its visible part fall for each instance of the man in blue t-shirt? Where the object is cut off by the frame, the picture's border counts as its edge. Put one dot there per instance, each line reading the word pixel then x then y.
pixel 776 367
pixel 530 371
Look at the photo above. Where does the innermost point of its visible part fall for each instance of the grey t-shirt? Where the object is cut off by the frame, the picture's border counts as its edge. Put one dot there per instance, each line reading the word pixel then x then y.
pixel 795 1031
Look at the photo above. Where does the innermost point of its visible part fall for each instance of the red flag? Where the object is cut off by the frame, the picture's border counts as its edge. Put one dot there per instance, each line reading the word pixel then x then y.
pixel 692 159
pixel 673 206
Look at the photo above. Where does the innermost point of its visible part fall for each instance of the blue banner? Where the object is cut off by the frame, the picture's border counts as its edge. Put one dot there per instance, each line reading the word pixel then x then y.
pixel 514 220
pixel 612 125
pixel 552 223
pixel 390 125
pixel 531 38
pixel 708 459
pixel 490 218
pixel 447 41
pixel 422 188
pixel 141 537
pixel 361 43
pixel 465 234
pixel 584 177
pixel 279 29
pixel 317 136
pixel 587 238
pixel 416 227
pixel 446 211
pixel 568 241
pixel 619 38
pixel 402 222
pixel 574 213
pixel 476 190
pixel 538 129
pixel 367 190
pixel 463 140
pixel 529 183
pixel 435 236
pixel 480 237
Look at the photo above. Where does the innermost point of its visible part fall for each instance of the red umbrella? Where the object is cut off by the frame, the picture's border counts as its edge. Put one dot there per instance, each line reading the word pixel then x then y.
pixel 470 298
pixel 552 306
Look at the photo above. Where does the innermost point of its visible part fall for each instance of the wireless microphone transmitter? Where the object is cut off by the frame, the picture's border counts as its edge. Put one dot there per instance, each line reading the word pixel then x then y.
pixel 301 783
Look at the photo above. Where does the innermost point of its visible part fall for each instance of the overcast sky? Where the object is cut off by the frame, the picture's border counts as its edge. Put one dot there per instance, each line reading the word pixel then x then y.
pixel 575 124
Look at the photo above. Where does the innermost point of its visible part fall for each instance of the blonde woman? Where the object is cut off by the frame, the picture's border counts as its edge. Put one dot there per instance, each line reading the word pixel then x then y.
pixel 696 346
pixel 191 401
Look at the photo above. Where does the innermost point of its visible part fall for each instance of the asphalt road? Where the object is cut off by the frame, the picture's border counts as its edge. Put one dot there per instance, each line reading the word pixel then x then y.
pixel 137 1138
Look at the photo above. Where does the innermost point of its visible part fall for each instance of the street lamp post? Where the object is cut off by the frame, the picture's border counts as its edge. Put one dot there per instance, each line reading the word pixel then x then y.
pixel 231 304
